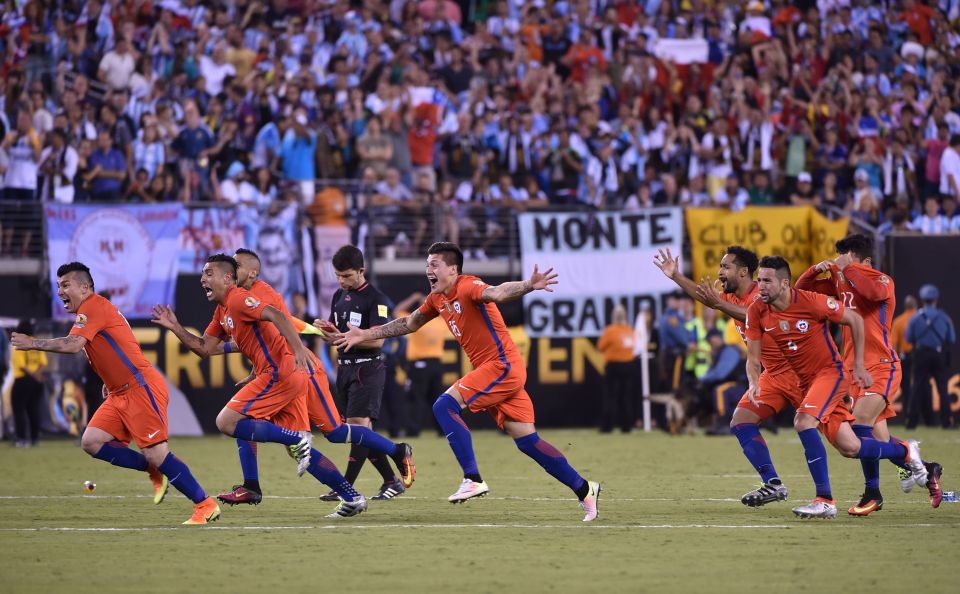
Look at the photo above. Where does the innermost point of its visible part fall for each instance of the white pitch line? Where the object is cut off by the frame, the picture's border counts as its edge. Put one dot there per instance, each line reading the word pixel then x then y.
pixel 473 526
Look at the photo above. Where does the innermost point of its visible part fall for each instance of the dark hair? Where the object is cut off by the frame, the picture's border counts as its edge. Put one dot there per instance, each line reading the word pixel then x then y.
pixel 858 244
pixel 224 259
pixel 743 257
pixel 450 253
pixel 349 257
pixel 778 263
pixel 246 252
pixel 80 268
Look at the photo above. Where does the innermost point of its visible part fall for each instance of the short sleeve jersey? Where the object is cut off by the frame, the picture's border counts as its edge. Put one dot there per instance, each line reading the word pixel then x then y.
pixel 800 331
pixel 363 308
pixel 267 294
pixel 770 356
pixel 873 296
pixel 476 325
pixel 260 342
pixel 113 351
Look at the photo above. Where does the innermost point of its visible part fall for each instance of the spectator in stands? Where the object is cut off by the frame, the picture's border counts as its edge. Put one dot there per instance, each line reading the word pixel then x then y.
pixel 374 148
pixel 931 222
pixel 118 65
pixel 58 166
pixel 804 195
pixel 298 154
pixel 108 170
pixel 22 149
pixel 147 151
pixel 760 192
pixel 935 148
pixel 830 195
pixel 192 146
pixel 950 168
pixel 731 195
pixel 721 387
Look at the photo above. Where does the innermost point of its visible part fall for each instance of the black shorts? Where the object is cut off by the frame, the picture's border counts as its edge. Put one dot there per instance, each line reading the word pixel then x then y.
pixel 360 388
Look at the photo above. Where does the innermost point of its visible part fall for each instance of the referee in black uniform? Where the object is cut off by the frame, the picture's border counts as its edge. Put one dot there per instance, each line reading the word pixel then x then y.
pixel 361 372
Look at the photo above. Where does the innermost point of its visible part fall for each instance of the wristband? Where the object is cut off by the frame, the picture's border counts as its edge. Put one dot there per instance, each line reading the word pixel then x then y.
pixel 226 347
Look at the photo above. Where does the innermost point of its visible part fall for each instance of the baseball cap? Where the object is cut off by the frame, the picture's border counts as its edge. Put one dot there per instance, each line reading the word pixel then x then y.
pixel 929 292
pixel 804 177
pixel 235 169
pixel 861 174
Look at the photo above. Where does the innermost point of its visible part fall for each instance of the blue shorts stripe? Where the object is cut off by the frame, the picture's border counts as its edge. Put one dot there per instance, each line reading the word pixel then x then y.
pixel 491 386
pixel 153 402
pixel 833 393
pixel 247 406
pixel 123 357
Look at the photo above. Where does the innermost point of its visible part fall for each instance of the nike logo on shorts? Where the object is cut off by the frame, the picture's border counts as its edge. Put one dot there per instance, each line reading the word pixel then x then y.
pixel 150 435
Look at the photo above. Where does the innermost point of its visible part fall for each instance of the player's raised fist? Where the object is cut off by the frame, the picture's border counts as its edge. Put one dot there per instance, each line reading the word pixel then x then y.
pixel 24 342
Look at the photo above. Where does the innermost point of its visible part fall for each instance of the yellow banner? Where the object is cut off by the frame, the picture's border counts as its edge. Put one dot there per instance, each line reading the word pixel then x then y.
pixel 798 233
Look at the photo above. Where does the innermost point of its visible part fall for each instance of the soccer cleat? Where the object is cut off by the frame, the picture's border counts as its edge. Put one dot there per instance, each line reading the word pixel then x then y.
pixel 915 462
pixel 818 508
pixel 591 503
pixel 348 509
pixel 161 484
pixel 389 490
pixel 906 480
pixel 403 458
pixel 205 512
pixel 934 472
pixel 331 496
pixel 764 494
pixel 468 490
pixel 301 451
pixel 240 494
pixel 866 506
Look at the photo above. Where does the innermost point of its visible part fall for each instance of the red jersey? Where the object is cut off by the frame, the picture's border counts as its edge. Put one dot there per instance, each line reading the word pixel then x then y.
pixel 800 331
pixel 476 325
pixel 264 292
pixel 871 294
pixel 113 351
pixel 260 342
pixel 770 356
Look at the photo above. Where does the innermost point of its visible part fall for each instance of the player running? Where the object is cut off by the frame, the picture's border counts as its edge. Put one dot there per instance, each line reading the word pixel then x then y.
pixel 871 293
pixel 778 383
pixel 321 408
pixel 272 407
pixel 467 305
pixel 135 405
pixel 796 320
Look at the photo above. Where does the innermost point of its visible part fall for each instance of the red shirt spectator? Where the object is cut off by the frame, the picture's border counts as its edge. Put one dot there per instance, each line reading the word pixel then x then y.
pixel 423 133
pixel 917 16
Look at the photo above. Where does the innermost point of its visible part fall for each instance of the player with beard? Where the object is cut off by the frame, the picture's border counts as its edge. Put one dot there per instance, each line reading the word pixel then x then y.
pixel 779 384
pixel 797 321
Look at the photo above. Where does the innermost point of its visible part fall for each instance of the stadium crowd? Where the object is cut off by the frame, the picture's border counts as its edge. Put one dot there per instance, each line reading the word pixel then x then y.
pixel 477 108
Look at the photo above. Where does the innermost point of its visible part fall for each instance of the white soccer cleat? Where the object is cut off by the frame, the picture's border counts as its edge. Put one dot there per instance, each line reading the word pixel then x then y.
pixel 591 503
pixel 917 469
pixel 469 489
pixel 348 509
pixel 301 451
pixel 906 480
pixel 818 508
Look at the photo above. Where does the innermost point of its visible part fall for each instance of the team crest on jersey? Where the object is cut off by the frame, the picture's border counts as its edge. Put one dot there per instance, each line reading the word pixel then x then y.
pixel 478 282
pixel 840 276
pixel 832 304
pixel 228 321
pixel 251 302
pixel 803 325
pixel 81 320
pixel 456 307
pixel 784 325
pixel 884 280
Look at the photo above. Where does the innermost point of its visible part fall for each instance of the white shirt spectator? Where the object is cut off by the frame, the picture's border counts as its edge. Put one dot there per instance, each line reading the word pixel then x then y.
pixel 62 190
pixel 215 73
pixel 722 165
pixel 397 193
pixel 949 167
pixel 21 168
pixel 118 69
pixel 738 201
pixel 928 225
pixel 237 193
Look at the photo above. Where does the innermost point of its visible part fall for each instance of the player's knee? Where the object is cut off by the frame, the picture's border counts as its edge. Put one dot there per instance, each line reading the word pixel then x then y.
pixel 848 448
pixel 338 435
pixel 804 422
pixel 90 445
pixel 226 424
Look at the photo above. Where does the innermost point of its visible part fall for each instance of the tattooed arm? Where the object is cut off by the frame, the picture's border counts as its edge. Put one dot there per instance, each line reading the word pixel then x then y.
pixel 513 290
pixel 65 344
pixel 405 325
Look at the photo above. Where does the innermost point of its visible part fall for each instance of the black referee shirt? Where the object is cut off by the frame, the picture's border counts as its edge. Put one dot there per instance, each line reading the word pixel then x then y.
pixel 363 308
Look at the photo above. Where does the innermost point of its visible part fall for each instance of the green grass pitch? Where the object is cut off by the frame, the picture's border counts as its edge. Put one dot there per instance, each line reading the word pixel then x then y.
pixel 670 521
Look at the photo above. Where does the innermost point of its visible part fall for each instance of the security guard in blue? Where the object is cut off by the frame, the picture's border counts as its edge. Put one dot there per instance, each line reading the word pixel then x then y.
pixel 932 333
pixel 674 339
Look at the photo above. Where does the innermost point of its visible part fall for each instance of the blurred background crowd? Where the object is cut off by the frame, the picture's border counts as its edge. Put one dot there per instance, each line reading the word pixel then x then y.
pixel 470 110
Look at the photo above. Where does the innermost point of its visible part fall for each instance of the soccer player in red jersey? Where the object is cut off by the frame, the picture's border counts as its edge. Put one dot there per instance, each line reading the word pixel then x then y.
pixel 321 408
pixel 779 385
pixel 852 280
pixel 496 384
pixel 797 321
pixel 272 407
pixel 135 405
